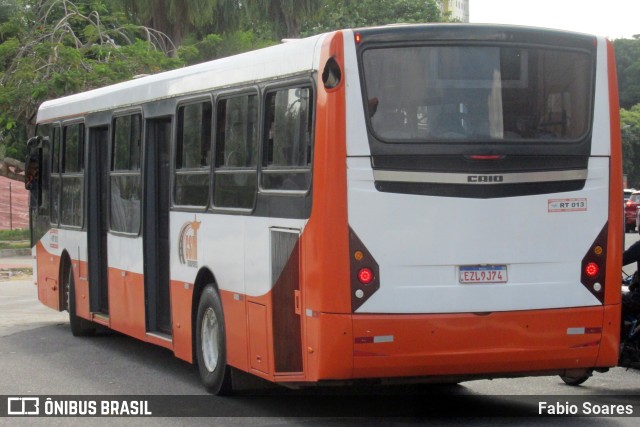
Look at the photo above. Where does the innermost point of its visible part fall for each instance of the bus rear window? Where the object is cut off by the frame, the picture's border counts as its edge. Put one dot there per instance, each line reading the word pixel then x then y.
pixel 453 93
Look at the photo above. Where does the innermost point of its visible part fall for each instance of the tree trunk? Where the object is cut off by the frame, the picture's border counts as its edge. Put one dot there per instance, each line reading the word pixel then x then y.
pixel 12 169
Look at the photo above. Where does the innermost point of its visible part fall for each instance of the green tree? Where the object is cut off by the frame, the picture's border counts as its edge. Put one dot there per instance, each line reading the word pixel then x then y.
pixel 212 46
pixel 295 18
pixel 181 19
pixel 336 14
pixel 628 65
pixel 7 8
pixel 209 29
pixel 52 48
pixel 285 16
pixel 630 128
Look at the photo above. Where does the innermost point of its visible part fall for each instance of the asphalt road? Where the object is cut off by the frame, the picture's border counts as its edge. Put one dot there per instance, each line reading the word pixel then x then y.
pixel 39 356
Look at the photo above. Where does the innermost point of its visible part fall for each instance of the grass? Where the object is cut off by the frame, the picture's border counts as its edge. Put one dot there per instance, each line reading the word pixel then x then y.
pixel 22 244
pixel 15 235
pixel 15 239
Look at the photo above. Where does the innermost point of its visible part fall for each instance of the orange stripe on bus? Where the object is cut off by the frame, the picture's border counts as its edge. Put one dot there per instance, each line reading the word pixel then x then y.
pixel 324 242
pixel 616 227
pixel 325 239
pixel 611 323
pixel 48 277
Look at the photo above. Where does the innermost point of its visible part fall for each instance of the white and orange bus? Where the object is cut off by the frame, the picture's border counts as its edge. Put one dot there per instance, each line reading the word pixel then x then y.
pixel 405 203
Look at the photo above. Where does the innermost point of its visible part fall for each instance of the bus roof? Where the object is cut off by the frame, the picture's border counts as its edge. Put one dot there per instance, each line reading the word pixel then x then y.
pixel 281 60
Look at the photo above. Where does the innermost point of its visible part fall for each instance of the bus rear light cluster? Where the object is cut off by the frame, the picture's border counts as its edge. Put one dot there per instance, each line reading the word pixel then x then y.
pixel 365 274
pixel 593 272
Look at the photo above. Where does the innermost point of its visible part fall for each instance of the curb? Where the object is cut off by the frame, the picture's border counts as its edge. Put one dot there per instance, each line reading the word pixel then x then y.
pixel 7 253
pixel 10 273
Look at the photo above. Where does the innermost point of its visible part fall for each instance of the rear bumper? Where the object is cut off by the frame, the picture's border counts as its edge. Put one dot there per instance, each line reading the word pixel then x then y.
pixel 479 345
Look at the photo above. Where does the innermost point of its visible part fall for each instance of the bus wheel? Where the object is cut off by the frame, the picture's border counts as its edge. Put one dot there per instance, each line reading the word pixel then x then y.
pixel 79 327
pixel 576 380
pixel 211 344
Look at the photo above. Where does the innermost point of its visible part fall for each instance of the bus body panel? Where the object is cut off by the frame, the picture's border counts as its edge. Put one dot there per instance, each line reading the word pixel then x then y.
pixel 422 322
pixel 46 275
pixel 529 342
pixel 357 143
pixel 431 238
pixel 127 302
pixel 182 323
pixel 601 141
pixel 616 235
pixel 50 249
pixel 449 344
pixel 232 247
pixel 324 242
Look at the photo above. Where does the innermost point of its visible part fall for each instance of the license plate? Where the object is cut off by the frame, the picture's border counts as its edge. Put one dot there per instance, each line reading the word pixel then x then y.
pixel 483 274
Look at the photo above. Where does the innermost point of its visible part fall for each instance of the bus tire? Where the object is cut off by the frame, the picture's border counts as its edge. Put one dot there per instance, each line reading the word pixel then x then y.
pixel 211 352
pixel 576 380
pixel 79 327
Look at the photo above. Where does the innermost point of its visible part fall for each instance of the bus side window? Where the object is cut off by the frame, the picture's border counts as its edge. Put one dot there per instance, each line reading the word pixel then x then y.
pixel 125 174
pixel 193 151
pixel 72 175
pixel 286 164
pixel 55 176
pixel 235 175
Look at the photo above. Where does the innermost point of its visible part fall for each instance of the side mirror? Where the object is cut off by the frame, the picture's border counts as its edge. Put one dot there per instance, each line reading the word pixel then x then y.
pixel 32 163
pixel 32 170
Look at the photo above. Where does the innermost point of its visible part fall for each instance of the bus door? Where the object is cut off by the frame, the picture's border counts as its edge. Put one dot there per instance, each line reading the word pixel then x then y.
pixel 97 218
pixel 156 225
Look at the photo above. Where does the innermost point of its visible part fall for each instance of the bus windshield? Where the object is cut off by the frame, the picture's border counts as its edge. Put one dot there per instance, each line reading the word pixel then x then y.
pixel 449 93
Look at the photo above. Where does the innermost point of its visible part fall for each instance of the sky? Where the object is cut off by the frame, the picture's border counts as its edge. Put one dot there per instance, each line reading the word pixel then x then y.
pixel 612 18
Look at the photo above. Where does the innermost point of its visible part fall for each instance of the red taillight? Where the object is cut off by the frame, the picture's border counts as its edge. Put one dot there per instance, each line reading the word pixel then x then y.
pixel 358 38
pixel 365 275
pixel 592 269
pixel 486 157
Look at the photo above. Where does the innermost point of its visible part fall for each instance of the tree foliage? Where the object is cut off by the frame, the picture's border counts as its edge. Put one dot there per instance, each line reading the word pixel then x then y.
pixel 181 19
pixel 52 48
pixel 628 65
pixel 335 14
pixel 630 123
pixel 285 16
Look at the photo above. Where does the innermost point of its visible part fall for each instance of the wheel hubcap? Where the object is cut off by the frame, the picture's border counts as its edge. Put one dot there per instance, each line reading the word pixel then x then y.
pixel 67 292
pixel 209 338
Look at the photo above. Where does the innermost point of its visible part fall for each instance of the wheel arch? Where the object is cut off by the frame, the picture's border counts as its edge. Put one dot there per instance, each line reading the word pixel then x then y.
pixel 65 263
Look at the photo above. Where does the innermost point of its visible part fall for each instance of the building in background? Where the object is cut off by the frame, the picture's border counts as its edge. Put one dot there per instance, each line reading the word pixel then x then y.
pixel 459 9
pixel 14 204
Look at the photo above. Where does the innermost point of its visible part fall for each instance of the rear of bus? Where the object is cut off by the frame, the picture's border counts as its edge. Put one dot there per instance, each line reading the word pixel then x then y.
pixel 484 201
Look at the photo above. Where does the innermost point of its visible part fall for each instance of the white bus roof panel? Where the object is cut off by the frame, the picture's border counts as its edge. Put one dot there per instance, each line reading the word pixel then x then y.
pixel 280 60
